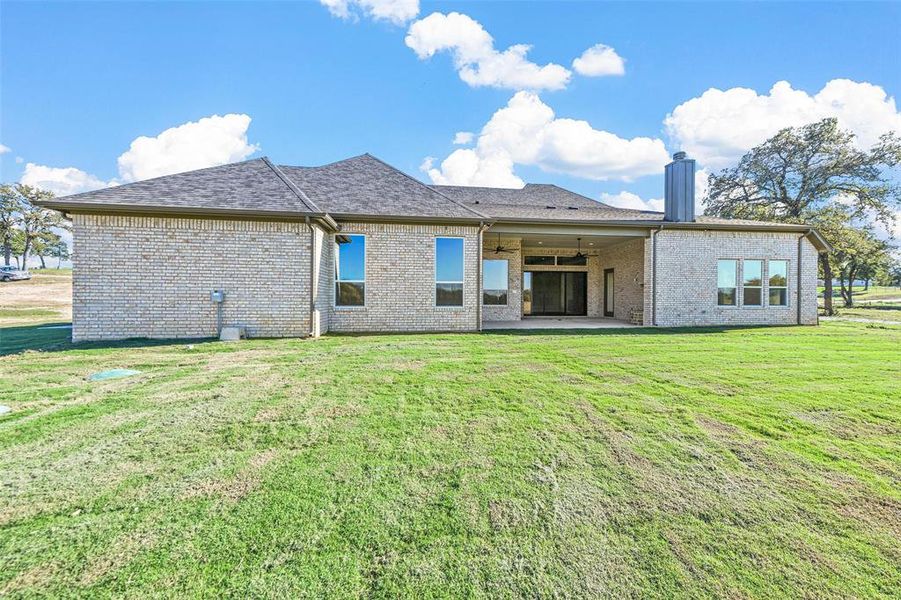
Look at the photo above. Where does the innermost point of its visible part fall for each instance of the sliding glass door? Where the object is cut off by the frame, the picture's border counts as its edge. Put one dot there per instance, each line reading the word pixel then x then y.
pixel 555 293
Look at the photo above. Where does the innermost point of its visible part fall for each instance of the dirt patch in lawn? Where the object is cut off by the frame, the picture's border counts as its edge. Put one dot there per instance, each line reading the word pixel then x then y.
pixel 238 487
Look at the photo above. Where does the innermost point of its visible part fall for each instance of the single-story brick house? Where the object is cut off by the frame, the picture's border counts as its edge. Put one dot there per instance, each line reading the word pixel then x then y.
pixel 359 246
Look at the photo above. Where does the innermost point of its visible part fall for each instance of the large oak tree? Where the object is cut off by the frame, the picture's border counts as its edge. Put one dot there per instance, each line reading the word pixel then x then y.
pixel 801 171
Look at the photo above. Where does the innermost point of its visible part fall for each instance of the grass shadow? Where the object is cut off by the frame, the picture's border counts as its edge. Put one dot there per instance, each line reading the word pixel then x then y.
pixel 54 337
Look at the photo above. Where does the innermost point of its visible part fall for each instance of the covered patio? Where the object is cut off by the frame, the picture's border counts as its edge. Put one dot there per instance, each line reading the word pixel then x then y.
pixel 540 276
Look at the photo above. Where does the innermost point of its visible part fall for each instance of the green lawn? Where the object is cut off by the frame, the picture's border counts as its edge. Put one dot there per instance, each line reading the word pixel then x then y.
pixel 620 463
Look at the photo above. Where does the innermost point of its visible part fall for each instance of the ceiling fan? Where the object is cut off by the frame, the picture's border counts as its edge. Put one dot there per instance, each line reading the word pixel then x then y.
pixel 500 249
pixel 579 253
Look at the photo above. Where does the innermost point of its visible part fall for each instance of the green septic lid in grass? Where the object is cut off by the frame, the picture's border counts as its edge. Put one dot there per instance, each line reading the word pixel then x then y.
pixel 112 374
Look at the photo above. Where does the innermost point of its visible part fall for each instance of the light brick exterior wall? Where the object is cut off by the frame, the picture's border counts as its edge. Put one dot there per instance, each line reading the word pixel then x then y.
pixel 152 277
pixel 513 310
pixel 687 284
pixel 628 264
pixel 400 280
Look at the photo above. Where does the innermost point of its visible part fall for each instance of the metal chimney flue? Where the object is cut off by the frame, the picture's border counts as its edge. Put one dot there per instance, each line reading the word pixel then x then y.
pixel 679 195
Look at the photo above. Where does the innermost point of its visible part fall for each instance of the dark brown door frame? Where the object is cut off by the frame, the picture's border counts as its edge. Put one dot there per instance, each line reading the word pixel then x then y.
pixel 608 310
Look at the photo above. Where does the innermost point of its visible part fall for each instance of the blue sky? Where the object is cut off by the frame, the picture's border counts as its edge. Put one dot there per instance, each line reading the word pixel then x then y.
pixel 82 81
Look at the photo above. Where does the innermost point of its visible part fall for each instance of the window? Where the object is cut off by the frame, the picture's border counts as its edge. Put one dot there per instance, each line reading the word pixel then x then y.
pixel 778 282
pixel 725 282
pixel 494 286
pixel 752 282
pixel 350 270
pixel 540 260
pixel 579 261
pixel 448 271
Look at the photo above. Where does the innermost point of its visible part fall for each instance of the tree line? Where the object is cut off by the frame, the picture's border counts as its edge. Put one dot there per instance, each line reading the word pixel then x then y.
pixel 26 229
pixel 816 175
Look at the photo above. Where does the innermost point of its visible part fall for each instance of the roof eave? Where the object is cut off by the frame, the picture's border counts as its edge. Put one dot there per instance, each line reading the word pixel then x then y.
pixel 190 211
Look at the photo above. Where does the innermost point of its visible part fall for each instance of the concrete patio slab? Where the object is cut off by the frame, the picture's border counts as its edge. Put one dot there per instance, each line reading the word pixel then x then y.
pixel 557 323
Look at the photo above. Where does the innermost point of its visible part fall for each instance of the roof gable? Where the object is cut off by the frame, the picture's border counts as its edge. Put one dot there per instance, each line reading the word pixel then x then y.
pixel 366 186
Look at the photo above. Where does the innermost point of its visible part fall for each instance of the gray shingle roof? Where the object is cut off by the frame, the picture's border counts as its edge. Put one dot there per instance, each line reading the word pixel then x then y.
pixel 252 185
pixel 364 185
pixel 533 194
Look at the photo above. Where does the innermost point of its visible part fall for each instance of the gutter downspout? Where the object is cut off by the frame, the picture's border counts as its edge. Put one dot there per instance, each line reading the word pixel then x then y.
pixel 482 228
pixel 798 286
pixel 654 275
pixel 312 272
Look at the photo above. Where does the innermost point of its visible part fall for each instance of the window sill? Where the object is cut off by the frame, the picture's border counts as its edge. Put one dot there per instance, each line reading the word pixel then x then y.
pixel 350 308
pixel 450 308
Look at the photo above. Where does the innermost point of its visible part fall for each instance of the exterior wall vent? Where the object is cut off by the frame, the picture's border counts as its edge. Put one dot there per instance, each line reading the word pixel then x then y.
pixel 679 193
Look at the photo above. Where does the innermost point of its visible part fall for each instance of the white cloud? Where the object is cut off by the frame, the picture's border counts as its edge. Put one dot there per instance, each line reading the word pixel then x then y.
pixel 598 61
pixel 463 137
pixel 210 141
pixel 477 61
pixel 629 200
pixel 718 127
pixel 527 132
pixel 4 149
pixel 62 181
pixel 395 11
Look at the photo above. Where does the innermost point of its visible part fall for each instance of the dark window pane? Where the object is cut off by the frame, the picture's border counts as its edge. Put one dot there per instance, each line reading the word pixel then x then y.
pixel 494 273
pixel 725 296
pixel 572 260
pixel 494 297
pixel 778 297
pixel 449 294
pixel 350 293
pixel 448 259
pixel 350 261
pixel 778 273
pixel 752 296
pixel 539 260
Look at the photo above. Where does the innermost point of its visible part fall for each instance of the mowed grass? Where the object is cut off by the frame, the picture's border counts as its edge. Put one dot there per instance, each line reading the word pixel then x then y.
pixel 614 463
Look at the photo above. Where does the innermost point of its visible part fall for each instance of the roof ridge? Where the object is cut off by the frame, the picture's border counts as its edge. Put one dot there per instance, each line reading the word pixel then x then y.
pixel 411 178
pixel 292 186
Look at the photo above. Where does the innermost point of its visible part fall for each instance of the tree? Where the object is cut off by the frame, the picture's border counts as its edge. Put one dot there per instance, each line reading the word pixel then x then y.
pixel 60 252
pixel 10 207
pixel 44 245
pixel 34 220
pixel 801 171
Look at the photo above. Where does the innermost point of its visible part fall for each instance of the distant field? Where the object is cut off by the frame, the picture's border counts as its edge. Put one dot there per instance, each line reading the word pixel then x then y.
pixel 46 297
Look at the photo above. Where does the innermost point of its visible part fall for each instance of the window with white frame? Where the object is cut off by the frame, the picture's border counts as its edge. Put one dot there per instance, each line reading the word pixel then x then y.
pixel 495 282
pixel 752 283
pixel 778 274
pixel 448 271
pixel 726 279
pixel 350 270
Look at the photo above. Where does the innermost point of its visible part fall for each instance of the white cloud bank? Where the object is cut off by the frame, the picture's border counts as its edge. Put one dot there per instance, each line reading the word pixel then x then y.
pixel 718 127
pixel 210 141
pixel 527 132
pixel 462 138
pixel 62 181
pixel 394 11
pixel 629 200
pixel 4 149
pixel 477 61
pixel 207 142
pixel 598 61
